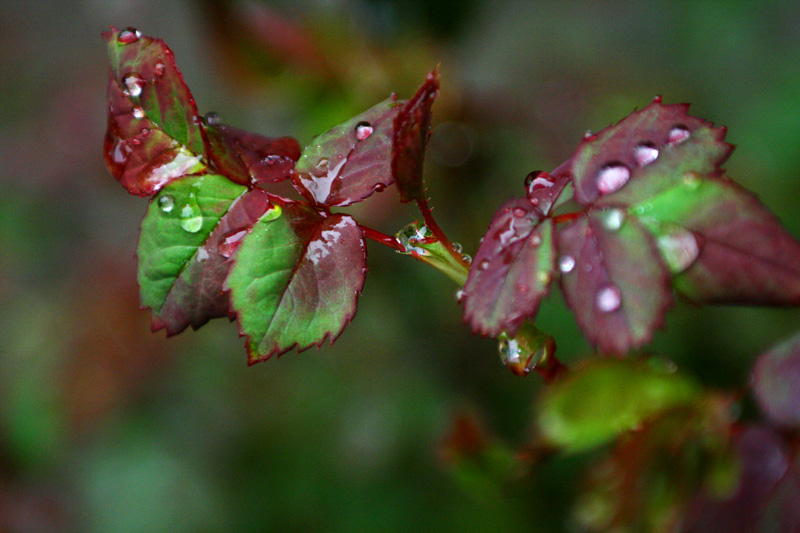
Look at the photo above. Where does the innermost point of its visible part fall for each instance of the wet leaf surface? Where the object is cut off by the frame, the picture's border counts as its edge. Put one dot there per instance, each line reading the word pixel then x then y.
pixel 511 272
pixel 296 279
pixel 351 161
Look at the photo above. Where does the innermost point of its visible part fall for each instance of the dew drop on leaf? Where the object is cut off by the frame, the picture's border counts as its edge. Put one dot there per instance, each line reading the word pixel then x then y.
pixel 459 295
pixel 510 351
pixel 363 130
pixel 132 85
pixel 138 112
pixel 613 219
pixel 645 153
pixel 612 177
pixel 467 258
pixel 273 213
pixel 159 69
pixel 212 118
pixel 678 134
pixel 519 212
pixel 535 240
pixel 166 203
pixel 608 299
pixel 589 135
pixel 128 36
pixel 484 264
pixel 566 263
pixel 538 180
pixel 679 248
pixel 692 181
pixel 191 217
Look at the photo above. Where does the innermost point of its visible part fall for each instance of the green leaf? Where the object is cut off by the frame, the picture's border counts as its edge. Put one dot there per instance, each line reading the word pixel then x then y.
pixel 180 275
pixel 599 401
pixel 296 279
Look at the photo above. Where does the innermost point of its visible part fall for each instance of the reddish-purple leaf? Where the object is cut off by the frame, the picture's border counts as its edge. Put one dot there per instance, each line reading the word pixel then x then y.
pixel 250 158
pixel 763 462
pixel 411 131
pixel 296 279
pixel 644 153
pixel 723 243
pixel 776 381
pixel 153 134
pixel 350 161
pixel 613 279
pixel 544 190
pixel 512 270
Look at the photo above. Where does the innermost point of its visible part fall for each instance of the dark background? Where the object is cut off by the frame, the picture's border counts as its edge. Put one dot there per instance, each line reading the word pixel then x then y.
pixel 107 427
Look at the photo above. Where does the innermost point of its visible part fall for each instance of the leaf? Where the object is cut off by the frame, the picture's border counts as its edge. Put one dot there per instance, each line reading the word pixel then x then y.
pixel 411 132
pixel 511 272
pixel 543 190
pixel 249 158
pixel 724 244
pixel 597 402
pixel 612 279
pixel 350 161
pixel 776 382
pixel 153 134
pixel 187 237
pixel 645 152
pixel 296 279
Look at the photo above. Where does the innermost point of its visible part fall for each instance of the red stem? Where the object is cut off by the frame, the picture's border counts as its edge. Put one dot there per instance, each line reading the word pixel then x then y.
pixel 386 240
pixel 567 217
pixel 427 216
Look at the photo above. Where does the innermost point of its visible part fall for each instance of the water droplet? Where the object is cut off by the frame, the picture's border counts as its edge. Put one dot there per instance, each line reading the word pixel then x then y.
pixel 657 99
pixel 543 277
pixel 322 164
pixel 467 258
pixel 159 69
pixel 457 247
pixel 612 177
pixel 132 85
pixel 484 264
pixel 379 187
pixel 411 235
pixel 138 112
pixel 679 248
pixel 566 263
pixel 538 179
pixel 645 153
pixel 692 181
pixel 678 134
pixel 166 203
pixel 534 201
pixel 613 219
pixel 459 295
pixel 535 240
pixel 519 212
pixel 202 254
pixel 128 36
pixel 608 299
pixel 273 213
pixel 212 118
pixel 641 209
pixel 230 242
pixel 510 351
pixel 136 141
pixel 191 217
pixel 363 130
pixel 589 135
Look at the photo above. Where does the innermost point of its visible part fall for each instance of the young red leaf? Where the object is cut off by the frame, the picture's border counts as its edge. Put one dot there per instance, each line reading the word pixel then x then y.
pixel 250 158
pixel 296 279
pixel 411 131
pixel 350 161
pixel 776 381
pixel 723 243
pixel 153 134
pixel 544 190
pixel 613 279
pixel 187 237
pixel 511 272
pixel 644 153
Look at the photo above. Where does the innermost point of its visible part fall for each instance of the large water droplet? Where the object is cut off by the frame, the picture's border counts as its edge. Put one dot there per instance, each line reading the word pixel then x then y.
pixel 457 247
pixel 613 219
pixel 412 235
pixel 128 36
pixel 459 295
pixel 363 130
pixel 466 258
pixel 679 248
pixel 678 134
pixel 191 217
pixel 645 153
pixel 230 242
pixel 166 203
pixel 608 299
pixel 132 85
pixel 566 263
pixel 538 179
pixel 138 112
pixel 510 351
pixel 612 177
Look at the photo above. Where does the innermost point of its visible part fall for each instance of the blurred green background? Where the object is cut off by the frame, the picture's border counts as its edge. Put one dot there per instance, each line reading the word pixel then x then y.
pixel 107 427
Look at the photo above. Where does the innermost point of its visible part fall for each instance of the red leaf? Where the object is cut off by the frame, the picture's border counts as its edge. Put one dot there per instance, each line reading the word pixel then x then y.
pixel 153 134
pixel 249 158
pixel 613 280
pixel 411 132
pixel 511 272
pixel 776 382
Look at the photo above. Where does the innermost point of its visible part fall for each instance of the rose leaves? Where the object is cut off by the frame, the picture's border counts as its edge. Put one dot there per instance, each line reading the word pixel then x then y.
pixel 658 214
pixel 214 243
